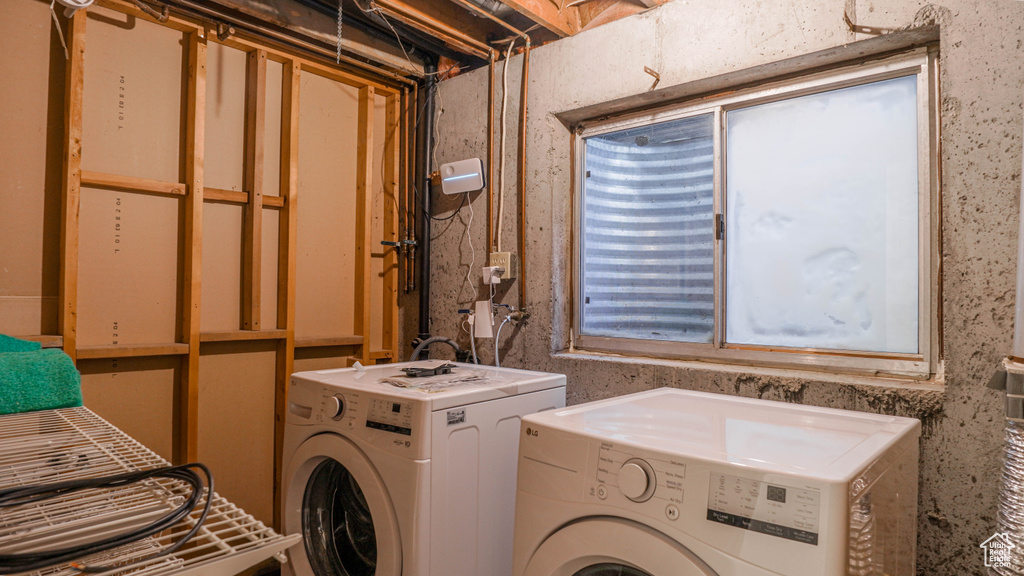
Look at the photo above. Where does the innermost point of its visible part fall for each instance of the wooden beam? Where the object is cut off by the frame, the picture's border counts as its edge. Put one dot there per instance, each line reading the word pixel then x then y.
pixel 231 196
pixel 46 340
pixel 328 341
pixel 565 22
pixel 252 246
pixel 273 202
pixel 133 351
pixel 71 184
pixel 132 184
pixel 241 335
pixel 286 255
pixel 364 212
pixel 392 156
pixel 186 445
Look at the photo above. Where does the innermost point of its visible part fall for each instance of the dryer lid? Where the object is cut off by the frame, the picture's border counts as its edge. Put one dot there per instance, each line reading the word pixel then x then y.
pixel 792 438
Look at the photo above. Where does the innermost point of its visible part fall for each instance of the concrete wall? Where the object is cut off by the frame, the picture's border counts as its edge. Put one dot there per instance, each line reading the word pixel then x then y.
pixel 982 84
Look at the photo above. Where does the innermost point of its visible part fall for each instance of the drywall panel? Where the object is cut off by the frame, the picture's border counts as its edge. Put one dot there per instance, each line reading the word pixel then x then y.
pixel 30 161
pixel 225 117
pixel 222 267
pixel 272 130
pixel 327 358
pixel 269 267
pixel 132 103
pixel 136 395
pixel 129 254
pixel 378 250
pixel 236 422
pixel 325 265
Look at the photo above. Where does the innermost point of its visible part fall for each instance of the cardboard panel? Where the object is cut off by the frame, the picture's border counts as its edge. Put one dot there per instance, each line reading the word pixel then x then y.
pixel 272 130
pixel 325 266
pixel 377 225
pixel 132 103
pixel 236 422
pixel 225 117
pixel 268 283
pixel 136 395
pixel 31 98
pixel 129 268
pixel 327 358
pixel 222 267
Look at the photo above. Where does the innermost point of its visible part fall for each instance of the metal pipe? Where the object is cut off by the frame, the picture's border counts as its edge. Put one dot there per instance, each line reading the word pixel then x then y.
pixel 490 157
pixel 202 11
pixel 425 23
pixel 521 177
pixel 410 193
pixel 486 14
pixel 425 137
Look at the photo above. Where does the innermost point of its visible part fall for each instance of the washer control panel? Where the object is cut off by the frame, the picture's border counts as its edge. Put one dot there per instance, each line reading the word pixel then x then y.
pixel 768 508
pixel 640 478
pixel 390 415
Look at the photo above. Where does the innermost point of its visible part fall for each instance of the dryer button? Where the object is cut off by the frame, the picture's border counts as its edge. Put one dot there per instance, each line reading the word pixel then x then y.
pixel 602 492
pixel 672 512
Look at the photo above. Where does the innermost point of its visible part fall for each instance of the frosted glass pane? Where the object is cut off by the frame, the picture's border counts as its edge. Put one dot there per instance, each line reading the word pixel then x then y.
pixel 822 230
pixel 647 254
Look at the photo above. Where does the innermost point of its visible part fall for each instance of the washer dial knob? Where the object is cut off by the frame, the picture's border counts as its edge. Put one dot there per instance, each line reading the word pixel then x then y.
pixel 636 480
pixel 336 407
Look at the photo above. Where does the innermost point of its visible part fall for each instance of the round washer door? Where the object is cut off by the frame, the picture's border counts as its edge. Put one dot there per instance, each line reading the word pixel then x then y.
pixel 613 547
pixel 336 499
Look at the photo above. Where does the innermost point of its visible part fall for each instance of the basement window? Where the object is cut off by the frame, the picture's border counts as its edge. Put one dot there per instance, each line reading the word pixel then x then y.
pixel 793 224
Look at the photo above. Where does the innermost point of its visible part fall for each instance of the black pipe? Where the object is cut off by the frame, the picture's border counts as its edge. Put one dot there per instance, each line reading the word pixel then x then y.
pixel 424 144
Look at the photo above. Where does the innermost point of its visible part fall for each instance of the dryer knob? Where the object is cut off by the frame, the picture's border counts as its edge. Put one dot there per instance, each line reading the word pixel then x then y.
pixel 636 480
pixel 336 407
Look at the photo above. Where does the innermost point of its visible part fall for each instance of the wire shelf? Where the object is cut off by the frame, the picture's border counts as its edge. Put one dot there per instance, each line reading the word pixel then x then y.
pixel 72 443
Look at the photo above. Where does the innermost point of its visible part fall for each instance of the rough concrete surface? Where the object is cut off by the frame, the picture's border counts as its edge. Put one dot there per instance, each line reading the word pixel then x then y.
pixel 981 83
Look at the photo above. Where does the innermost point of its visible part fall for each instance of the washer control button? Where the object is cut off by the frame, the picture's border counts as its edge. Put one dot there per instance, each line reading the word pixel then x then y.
pixel 602 492
pixel 637 480
pixel 672 512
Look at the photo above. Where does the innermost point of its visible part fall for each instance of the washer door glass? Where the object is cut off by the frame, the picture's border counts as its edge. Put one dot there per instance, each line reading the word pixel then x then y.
pixel 337 524
pixel 610 570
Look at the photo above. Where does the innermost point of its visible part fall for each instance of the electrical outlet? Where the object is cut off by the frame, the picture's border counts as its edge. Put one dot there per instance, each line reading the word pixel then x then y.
pixel 505 260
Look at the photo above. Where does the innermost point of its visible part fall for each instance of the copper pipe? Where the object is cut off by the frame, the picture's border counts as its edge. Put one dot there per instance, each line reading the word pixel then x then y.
pixel 521 177
pixel 490 158
pixel 425 23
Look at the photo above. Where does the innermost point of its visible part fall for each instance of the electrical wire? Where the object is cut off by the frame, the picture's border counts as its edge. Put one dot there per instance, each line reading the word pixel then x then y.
pixel 31 561
pixel 501 148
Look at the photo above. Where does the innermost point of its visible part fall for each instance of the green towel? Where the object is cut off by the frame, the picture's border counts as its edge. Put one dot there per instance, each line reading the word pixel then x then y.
pixel 41 380
pixel 10 344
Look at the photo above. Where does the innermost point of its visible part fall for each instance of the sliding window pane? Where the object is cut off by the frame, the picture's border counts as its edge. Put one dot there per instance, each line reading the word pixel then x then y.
pixel 647 253
pixel 822 231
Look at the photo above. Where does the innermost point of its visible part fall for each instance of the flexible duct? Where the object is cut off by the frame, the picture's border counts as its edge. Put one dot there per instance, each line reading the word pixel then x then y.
pixel 434 340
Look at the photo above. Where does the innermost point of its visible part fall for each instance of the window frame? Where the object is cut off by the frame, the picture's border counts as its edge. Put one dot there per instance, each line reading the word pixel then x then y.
pixel 919 62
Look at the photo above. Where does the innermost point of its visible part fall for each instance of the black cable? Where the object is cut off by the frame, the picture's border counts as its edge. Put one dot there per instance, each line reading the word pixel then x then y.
pixel 19 496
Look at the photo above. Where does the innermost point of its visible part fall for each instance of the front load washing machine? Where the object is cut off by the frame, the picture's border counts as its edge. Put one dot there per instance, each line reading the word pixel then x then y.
pixel 391 475
pixel 674 483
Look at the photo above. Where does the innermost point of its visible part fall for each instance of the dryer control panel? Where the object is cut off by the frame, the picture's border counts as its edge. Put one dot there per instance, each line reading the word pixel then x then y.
pixel 390 415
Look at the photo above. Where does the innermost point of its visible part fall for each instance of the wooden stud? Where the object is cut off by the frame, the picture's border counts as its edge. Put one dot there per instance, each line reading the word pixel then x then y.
pixel 392 167
pixel 186 445
pixel 273 202
pixel 132 184
pixel 241 335
pixel 286 255
pixel 326 341
pixel 252 251
pixel 46 340
pixel 231 196
pixel 364 197
pixel 71 184
pixel 133 351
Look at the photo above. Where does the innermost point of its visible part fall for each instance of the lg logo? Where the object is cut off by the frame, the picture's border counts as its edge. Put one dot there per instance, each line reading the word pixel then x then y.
pixel 531 432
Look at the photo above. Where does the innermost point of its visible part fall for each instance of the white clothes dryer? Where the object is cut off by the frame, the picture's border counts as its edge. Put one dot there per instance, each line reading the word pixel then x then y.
pixel 674 483
pixel 388 475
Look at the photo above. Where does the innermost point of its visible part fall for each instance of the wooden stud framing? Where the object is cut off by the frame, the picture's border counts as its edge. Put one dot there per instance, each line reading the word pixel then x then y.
pixel 241 335
pixel 72 184
pixel 364 212
pixel 186 443
pixel 392 155
pixel 132 184
pixel 252 246
pixel 230 196
pixel 287 230
pixel 326 341
pixel 133 351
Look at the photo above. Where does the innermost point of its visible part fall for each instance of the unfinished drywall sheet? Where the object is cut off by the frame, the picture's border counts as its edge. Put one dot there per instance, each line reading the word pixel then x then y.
pixel 236 422
pixel 325 358
pixel 222 267
pixel 325 255
pixel 377 207
pixel 132 97
pixel 31 98
pixel 136 395
pixel 130 256
pixel 224 134
pixel 272 130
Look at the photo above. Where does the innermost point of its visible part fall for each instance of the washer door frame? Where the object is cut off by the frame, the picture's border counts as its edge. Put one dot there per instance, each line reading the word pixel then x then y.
pixel 607 539
pixel 303 462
